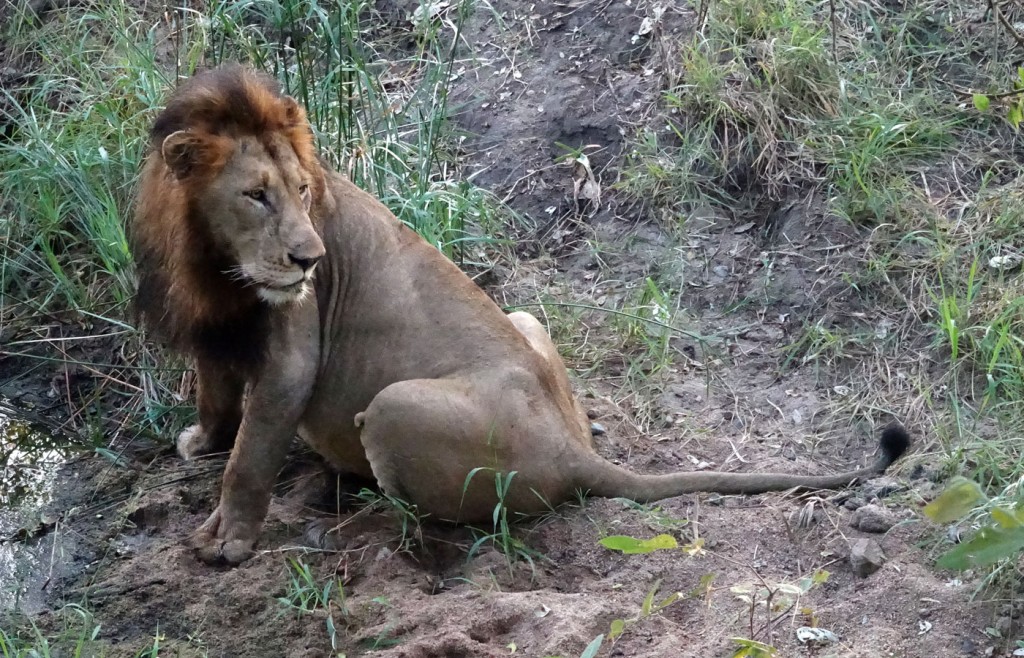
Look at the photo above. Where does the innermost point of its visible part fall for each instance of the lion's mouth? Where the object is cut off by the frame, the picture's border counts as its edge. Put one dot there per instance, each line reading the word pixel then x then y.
pixel 284 294
pixel 293 288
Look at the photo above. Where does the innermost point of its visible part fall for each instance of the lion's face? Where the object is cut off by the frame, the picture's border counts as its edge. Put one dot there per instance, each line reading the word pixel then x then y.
pixel 257 209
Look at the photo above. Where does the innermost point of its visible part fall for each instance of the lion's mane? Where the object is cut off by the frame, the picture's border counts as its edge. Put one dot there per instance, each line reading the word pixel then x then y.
pixel 187 294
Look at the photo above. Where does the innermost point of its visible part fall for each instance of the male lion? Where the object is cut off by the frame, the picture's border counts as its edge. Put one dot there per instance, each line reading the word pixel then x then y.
pixel 389 362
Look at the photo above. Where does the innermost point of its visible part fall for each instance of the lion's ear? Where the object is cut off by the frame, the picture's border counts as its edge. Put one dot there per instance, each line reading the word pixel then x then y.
pixel 182 151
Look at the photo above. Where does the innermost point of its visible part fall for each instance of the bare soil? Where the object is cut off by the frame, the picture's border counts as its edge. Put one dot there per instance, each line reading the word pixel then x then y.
pixel 567 73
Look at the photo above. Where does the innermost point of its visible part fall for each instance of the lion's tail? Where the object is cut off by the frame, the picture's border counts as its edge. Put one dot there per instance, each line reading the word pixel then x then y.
pixel 602 478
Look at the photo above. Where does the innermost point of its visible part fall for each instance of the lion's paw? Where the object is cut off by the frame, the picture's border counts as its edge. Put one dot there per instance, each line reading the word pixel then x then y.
pixel 195 442
pixel 216 552
pixel 322 534
pixel 217 544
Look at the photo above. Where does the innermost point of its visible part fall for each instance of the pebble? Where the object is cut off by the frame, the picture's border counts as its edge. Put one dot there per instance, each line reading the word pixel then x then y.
pixel 881 487
pixel 873 518
pixel 866 556
pixel 854 503
pixel 597 429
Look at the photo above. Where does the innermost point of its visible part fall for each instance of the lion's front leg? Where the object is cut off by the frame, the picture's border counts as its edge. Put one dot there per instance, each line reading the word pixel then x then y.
pixel 229 535
pixel 219 399
pixel 276 402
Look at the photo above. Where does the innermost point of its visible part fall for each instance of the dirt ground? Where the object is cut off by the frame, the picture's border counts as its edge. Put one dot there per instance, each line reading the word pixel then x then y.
pixel 569 73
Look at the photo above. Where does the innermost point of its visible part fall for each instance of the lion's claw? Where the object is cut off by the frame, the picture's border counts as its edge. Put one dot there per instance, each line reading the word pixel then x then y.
pixel 217 552
pixel 212 545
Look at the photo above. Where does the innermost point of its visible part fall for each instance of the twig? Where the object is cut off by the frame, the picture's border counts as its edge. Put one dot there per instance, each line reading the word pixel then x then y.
pixel 702 15
pixel 832 16
pixel 1002 19
pixel 995 96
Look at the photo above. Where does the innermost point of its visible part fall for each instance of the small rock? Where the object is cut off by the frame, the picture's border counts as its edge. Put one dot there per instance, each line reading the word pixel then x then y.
pixel 866 556
pixel 873 518
pixel 815 635
pixel 597 429
pixel 1003 626
pixel 592 414
pixel 968 646
pixel 881 487
pixel 854 503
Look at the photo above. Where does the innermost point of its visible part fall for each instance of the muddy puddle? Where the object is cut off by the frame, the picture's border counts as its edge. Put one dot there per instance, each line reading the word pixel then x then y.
pixel 30 459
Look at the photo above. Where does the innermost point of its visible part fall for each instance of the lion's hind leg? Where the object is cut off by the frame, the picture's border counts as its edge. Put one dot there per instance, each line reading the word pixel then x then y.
pixel 438 443
pixel 538 338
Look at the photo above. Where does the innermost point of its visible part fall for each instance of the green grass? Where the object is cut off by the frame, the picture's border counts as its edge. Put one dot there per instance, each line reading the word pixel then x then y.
pixel 501 535
pixel 78 636
pixel 410 522
pixel 305 594
pixel 762 108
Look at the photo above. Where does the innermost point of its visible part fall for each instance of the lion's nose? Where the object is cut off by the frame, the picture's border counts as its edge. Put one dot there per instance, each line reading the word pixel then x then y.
pixel 305 262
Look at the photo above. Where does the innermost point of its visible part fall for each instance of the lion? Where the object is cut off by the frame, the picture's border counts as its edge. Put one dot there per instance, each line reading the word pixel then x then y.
pixel 310 309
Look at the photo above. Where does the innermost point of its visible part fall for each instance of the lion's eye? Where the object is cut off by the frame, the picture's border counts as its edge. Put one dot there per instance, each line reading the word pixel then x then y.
pixel 258 194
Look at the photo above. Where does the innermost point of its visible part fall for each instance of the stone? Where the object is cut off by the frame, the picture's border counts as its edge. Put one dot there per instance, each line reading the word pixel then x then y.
pixel 866 556
pixel 873 518
pixel 597 429
pixel 883 486
pixel 854 503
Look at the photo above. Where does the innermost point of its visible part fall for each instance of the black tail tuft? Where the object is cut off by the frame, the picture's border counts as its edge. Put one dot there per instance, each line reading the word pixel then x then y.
pixel 895 441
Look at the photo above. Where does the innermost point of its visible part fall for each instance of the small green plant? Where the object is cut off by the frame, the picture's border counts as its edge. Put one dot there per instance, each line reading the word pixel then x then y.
pixel 1011 101
pixel 500 536
pixel 153 651
pixel 407 514
pixel 633 546
pixel 776 601
pixel 591 650
pixel 1000 537
pixel 753 649
pixel 648 608
pixel 305 595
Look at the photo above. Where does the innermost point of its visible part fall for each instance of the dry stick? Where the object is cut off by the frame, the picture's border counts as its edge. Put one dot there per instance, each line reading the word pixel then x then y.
pixel 969 93
pixel 832 16
pixel 994 8
pixel 702 15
